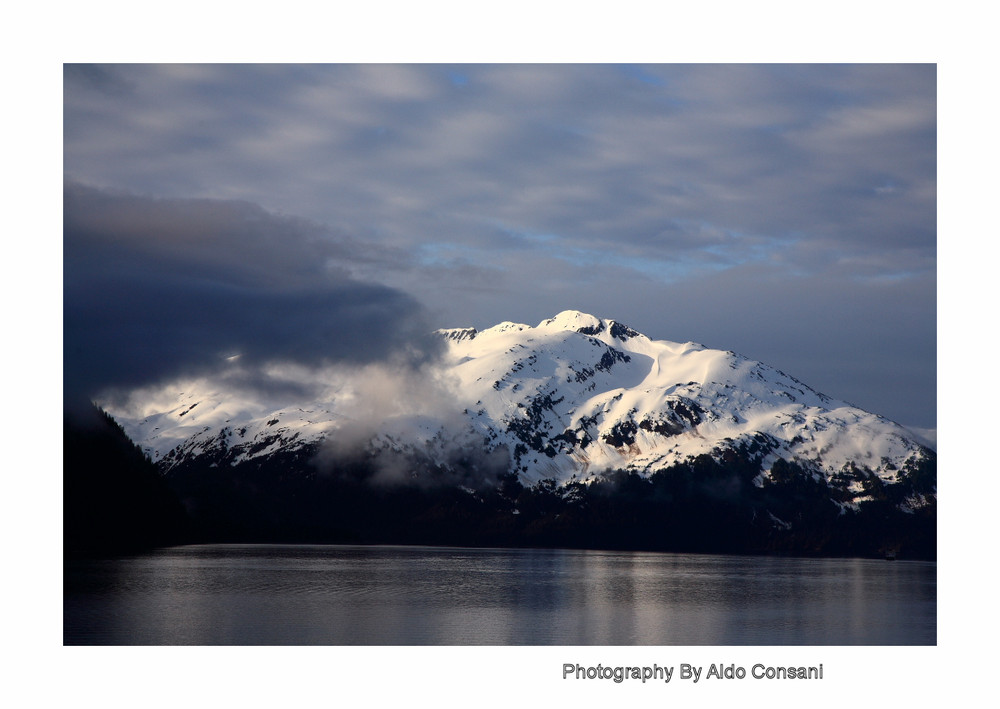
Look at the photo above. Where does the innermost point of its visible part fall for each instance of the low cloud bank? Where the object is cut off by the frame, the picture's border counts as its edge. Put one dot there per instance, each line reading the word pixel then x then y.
pixel 156 289
pixel 405 426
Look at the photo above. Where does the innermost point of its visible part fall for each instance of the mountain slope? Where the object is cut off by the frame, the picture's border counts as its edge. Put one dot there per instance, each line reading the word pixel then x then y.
pixel 570 399
pixel 577 395
pixel 578 432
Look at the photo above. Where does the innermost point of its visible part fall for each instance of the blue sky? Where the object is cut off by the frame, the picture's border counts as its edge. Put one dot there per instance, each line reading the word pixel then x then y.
pixel 787 212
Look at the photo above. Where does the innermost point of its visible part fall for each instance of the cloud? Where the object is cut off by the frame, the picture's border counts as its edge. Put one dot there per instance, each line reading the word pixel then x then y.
pixel 417 407
pixel 158 288
pixel 520 190
pixel 592 153
pixel 92 77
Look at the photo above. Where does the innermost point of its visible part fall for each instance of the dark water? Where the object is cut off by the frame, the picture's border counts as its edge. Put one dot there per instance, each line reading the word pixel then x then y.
pixel 343 595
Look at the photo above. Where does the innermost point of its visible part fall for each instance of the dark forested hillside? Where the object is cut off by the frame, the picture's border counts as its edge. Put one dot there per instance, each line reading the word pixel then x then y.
pixel 117 501
pixel 702 506
pixel 114 499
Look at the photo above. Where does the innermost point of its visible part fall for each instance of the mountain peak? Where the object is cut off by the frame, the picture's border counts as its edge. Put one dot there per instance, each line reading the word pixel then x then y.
pixel 570 399
pixel 572 320
pixel 505 326
pixel 584 323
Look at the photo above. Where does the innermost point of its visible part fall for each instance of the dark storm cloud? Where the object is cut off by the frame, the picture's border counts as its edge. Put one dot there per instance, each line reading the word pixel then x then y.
pixel 156 288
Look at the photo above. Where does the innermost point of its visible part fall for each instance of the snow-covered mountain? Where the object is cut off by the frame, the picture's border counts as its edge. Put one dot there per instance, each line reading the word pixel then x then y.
pixel 566 400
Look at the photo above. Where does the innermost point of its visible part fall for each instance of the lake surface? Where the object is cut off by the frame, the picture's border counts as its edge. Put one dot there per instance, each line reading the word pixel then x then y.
pixel 355 595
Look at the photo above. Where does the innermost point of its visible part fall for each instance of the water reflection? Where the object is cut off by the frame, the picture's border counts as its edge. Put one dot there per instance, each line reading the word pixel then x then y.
pixel 337 595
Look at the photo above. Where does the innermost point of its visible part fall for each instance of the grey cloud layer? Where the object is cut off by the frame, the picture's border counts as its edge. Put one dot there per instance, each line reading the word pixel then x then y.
pixel 510 191
pixel 842 155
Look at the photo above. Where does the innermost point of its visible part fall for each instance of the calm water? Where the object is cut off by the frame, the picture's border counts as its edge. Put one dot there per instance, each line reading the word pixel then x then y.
pixel 344 595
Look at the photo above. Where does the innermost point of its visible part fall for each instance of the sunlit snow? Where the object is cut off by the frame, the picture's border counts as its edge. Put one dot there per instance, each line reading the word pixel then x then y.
pixel 572 397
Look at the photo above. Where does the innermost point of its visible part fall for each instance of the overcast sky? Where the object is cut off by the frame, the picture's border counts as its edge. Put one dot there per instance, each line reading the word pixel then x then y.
pixel 342 212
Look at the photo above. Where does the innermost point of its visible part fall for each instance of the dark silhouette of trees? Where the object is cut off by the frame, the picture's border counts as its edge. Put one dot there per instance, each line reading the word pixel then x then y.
pixel 114 499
